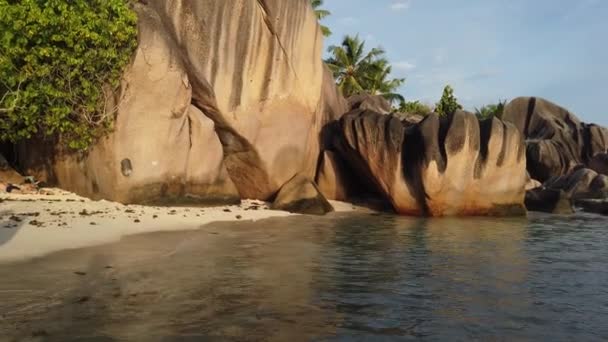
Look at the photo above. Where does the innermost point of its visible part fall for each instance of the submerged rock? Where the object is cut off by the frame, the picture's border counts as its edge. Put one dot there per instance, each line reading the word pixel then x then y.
pixel 556 140
pixel 301 195
pixel 443 166
pixel 549 201
pixel 595 206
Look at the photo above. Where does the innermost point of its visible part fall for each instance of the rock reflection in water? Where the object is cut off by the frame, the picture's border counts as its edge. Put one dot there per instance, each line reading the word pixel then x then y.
pixel 338 277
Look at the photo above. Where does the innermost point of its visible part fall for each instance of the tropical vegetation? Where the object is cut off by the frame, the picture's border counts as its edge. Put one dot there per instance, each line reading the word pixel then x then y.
pixel 321 14
pixel 414 107
pixel 491 110
pixel 448 104
pixel 60 63
pixel 357 70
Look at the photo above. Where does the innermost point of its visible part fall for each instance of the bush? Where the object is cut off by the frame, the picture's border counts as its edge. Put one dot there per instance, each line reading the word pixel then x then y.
pixel 414 107
pixel 491 110
pixel 448 104
pixel 56 58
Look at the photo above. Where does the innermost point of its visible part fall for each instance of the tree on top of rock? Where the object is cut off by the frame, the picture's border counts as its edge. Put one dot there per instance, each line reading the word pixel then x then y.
pixel 379 83
pixel 449 103
pixel 359 71
pixel 321 14
pixel 491 110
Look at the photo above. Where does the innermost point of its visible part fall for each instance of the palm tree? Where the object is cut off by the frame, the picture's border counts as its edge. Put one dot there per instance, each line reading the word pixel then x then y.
pixel 357 71
pixel 351 65
pixel 378 83
pixel 321 14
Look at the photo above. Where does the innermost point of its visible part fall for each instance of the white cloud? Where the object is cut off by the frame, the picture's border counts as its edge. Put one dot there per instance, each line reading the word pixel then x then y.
pixel 400 5
pixel 404 65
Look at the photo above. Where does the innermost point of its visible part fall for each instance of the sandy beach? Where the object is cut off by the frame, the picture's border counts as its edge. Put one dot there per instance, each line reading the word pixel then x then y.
pixel 34 225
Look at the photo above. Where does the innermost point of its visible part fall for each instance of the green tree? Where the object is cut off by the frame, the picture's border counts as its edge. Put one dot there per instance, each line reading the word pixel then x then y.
pixel 491 110
pixel 448 104
pixel 60 62
pixel 321 14
pixel 377 82
pixel 357 70
pixel 414 107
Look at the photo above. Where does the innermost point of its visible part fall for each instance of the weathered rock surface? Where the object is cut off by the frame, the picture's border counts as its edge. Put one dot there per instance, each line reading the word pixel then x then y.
pixel 581 183
pixel 7 173
pixel 559 193
pixel 532 183
pixel 373 103
pixel 599 163
pixel 301 195
pixel 224 100
pixel 442 166
pixel 557 141
pixel 333 180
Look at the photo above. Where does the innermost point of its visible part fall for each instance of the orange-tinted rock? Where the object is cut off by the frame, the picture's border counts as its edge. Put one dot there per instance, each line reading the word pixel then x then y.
pixel 224 100
pixel 442 166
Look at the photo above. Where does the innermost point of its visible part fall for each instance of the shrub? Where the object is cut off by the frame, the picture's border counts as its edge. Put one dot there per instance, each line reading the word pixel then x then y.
pixel 414 107
pixel 56 59
pixel 491 110
pixel 448 104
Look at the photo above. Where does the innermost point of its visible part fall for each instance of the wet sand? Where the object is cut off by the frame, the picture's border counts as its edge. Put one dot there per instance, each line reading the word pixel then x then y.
pixel 36 225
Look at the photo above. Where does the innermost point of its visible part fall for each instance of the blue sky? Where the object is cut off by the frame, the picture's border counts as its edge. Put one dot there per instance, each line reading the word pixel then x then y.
pixel 488 49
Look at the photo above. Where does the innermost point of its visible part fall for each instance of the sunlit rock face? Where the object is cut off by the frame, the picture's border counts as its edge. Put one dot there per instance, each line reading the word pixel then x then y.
pixel 442 166
pixel 224 100
pixel 556 140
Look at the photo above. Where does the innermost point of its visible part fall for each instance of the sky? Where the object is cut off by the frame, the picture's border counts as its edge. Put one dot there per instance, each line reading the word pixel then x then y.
pixel 488 50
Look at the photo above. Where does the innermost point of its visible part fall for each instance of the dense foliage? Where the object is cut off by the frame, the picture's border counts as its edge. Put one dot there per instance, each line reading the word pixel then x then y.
pixel 357 70
pixel 414 107
pixel 56 58
pixel 321 14
pixel 491 110
pixel 448 104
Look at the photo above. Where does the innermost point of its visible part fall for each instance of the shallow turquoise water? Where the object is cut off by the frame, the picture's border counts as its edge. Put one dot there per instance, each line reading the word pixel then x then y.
pixel 339 278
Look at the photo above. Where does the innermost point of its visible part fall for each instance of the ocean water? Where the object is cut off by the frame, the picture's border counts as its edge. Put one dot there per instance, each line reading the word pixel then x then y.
pixel 343 277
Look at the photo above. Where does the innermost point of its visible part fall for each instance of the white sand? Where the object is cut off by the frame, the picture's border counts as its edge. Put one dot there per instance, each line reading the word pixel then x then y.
pixel 63 221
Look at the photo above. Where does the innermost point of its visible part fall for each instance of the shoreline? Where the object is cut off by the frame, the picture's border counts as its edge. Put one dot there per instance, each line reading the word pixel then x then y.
pixel 36 225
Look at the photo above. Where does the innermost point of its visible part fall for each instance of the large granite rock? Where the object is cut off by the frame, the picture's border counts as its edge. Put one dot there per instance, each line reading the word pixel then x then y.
pixel 599 163
pixel 224 100
pixel 558 194
pixel 443 166
pixel 580 183
pixel 374 103
pixel 301 195
pixel 557 141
